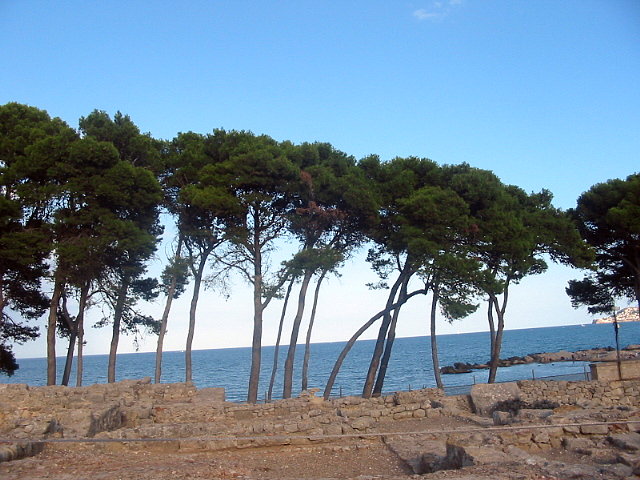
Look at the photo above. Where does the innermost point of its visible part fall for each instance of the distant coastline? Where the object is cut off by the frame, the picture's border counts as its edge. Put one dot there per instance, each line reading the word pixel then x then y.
pixel 629 314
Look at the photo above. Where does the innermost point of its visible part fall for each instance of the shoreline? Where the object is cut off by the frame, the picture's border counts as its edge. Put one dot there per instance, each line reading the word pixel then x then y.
pixel 604 354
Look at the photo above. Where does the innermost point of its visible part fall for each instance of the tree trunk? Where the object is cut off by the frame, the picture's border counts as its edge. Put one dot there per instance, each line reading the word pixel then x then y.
pixel 307 345
pixel 115 338
pixel 51 332
pixel 492 329
pixel 295 330
pixel 495 354
pixel 82 307
pixel 354 338
pixel 258 308
pixel 391 337
pixel 276 350
pixel 68 364
pixel 165 315
pixel 434 341
pixel 73 333
pixel 197 282
pixel 382 334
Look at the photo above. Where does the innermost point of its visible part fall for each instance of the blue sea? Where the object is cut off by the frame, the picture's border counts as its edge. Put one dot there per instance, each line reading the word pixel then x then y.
pixel 410 366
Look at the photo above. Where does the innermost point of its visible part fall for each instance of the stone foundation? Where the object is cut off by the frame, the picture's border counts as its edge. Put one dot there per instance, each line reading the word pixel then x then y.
pixel 191 419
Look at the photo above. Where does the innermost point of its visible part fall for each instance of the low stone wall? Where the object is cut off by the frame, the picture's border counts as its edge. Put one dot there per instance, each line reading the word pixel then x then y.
pixel 32 412
pixel 139 409
pixel 595 392
pixel 629 369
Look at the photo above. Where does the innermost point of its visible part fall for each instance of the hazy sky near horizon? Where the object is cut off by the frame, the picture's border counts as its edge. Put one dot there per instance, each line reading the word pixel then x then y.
pixel 543 93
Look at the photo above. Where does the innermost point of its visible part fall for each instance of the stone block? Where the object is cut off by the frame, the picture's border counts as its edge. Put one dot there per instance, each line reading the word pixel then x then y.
pixel 209 395
pixel 333 429
pixel 362 423
pixel 460 456
pixel 594 429
pixel 626 441
pixel 401 415
pixel 578 444
pixel 502 418
pixel 486 397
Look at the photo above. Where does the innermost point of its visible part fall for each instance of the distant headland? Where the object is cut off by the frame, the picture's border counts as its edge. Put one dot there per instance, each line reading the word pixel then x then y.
pixel 629 314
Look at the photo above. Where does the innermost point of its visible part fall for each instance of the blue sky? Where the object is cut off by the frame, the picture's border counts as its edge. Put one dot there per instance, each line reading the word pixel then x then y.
pixel 544 93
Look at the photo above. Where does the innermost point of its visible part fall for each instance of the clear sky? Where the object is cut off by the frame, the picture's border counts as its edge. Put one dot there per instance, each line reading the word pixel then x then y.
pixel 544 93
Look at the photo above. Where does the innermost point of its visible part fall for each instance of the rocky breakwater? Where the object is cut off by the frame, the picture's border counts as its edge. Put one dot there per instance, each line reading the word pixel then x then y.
pixel 607 354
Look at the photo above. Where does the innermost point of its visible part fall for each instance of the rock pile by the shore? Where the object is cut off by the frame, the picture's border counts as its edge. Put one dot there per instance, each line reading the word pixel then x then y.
pixel 592 355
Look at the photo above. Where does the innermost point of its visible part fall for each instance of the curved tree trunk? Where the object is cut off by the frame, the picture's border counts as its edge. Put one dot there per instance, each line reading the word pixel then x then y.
pixel 51 332
pixel 276 350
pixel 307 345
pixel 165 315
pixel 382 334
pixel 82 307
pixel 434 340
pixel 115 338
pixel 391 337
pixel 354 338
pixel 73 333
pixel 197 282
pixel 295 330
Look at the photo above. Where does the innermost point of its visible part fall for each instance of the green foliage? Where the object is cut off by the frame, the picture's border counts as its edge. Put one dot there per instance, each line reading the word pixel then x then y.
pixel 608 217
pixel 30 144
pixel 8 364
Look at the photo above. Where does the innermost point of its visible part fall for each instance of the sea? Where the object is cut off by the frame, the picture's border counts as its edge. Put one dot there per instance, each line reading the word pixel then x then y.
pixel 410 366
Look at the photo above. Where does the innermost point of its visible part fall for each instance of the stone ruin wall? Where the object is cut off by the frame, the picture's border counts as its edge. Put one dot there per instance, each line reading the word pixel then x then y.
pixel 591 393
pixel 193 419
pixel 138 407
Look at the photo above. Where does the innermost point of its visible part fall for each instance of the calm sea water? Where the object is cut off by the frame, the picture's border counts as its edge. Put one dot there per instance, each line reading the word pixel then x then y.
pixel 410 366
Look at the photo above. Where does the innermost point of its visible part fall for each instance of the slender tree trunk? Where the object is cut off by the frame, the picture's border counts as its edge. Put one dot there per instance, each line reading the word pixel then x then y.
pixel 3 301
pixel 115 338
pixel 307 345
pixel 197 282
pixel 276 350
pixel 73 333
pixel 492 328
pixel 165 315
pixel 51 332
pixel 345 350
pixel 391 337
pixel 82 307
pixel 258 308
pixel 295 330
pixel 382 334
pixel 66 374
pixel 434 340
pixel 495 355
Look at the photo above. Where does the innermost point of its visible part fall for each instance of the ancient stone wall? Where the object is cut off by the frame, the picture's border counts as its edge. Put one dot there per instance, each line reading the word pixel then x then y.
pixel 138 409
pixel 596 392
